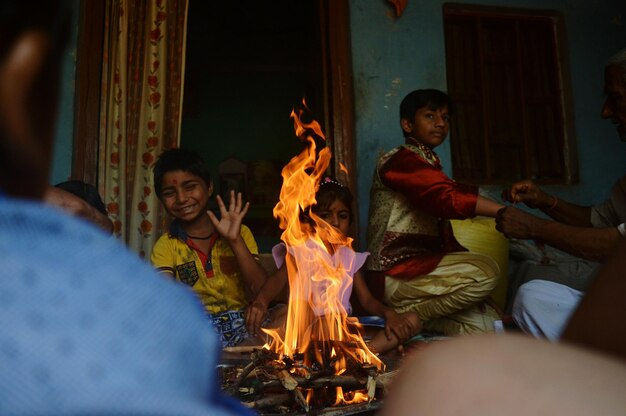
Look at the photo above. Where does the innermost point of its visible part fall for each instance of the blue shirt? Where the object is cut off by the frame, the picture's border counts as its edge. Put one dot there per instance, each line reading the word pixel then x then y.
pixel 87 327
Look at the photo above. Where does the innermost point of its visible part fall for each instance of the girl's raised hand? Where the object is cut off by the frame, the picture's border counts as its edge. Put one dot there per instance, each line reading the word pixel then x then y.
pixel 229 225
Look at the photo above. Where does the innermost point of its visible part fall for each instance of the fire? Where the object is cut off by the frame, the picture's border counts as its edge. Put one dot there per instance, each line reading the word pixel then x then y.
pixel 349 398
pixel 318 327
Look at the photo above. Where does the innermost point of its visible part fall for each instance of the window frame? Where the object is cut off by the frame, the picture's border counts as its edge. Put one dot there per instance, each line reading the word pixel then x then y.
pixel 464 171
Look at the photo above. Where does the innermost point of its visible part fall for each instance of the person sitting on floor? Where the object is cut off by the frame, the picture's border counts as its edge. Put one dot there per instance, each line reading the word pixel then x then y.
pixel 217 258
pixel 414 253
pixel 334 206
pixel 541 307
pixel 583 373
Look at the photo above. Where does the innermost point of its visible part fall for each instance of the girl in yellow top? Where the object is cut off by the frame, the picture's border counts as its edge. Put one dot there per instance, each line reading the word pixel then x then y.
pixel 217 258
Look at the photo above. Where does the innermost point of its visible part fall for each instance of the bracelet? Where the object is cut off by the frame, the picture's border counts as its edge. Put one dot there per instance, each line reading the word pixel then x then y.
pixel 556 200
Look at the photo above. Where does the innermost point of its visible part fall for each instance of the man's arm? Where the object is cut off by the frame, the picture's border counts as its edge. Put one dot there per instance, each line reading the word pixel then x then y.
pixel 585 242
pixel 568 213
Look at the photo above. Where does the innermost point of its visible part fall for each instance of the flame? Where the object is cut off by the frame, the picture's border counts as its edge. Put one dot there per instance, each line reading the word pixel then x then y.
pixel 343 168
pixel 349 397
pixel 318 325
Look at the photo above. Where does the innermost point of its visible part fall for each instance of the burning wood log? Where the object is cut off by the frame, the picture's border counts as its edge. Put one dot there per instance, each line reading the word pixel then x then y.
pixel 345 382
pixel 287 380
pixel 301 400
pixel 243 349
pixel 371 388
pixel 321 354
pixel 268 401
pixel 257 358
pixel 384 380
pixel 272 381
pixel 290 382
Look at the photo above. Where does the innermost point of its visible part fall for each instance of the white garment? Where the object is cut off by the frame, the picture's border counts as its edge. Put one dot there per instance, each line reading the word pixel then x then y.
pixel 543 308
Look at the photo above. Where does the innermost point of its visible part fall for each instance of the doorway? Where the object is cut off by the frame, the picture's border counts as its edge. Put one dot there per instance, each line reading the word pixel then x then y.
pixel 248 64
pixel 325 22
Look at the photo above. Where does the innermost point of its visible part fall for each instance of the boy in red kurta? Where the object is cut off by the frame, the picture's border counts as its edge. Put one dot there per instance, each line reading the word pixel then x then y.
pixel 410 238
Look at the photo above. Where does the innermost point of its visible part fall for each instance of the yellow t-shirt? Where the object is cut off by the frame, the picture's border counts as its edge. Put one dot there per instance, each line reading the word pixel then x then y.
pixel 218 293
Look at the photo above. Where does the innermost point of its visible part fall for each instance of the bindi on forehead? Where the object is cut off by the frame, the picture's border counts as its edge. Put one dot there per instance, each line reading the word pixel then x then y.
pixel 174 182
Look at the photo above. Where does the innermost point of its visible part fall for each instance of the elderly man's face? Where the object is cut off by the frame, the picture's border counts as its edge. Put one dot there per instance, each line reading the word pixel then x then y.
pixel 614 107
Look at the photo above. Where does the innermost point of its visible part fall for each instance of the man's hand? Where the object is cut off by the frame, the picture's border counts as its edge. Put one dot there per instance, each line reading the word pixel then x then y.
pixel 529 193
pixel 229 225
pixel 515 223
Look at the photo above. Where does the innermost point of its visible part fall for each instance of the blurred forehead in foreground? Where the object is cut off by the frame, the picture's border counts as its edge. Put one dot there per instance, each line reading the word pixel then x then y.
pixel 32 38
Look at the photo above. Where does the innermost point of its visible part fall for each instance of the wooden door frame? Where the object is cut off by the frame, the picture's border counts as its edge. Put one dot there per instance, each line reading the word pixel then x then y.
pixel 87 90
pixel 339 88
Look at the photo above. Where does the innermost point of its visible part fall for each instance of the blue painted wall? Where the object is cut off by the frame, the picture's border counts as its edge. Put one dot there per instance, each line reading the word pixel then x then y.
pixel 393 56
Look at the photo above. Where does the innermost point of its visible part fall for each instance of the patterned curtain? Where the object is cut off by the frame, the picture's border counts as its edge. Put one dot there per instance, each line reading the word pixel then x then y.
pixel 142 85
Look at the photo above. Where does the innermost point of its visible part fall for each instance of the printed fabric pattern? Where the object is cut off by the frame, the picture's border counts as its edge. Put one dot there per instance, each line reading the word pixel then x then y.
pixel 218 293
pixel 411 201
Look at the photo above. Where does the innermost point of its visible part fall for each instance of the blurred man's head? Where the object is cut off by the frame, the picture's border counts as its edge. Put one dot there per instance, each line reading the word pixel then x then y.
pixel 32 37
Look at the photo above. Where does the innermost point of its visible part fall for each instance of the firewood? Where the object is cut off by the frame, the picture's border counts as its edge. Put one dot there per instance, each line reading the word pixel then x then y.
pixel 268 401
pixel 345 382
pixel 371 388
pixel 301 400
pixel 257 357
pixel 287 380
pixel 384 380
pixel 268 379
pixel 243 349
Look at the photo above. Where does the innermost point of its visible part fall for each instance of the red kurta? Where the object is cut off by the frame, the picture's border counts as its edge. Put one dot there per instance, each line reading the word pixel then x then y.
pixel 414 175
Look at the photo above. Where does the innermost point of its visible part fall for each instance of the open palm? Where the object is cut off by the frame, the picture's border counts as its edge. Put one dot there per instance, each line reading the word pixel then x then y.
pixel 229 224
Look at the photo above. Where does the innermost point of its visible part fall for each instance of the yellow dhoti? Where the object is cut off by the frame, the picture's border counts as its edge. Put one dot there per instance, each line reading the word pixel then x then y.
pixel 449 299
